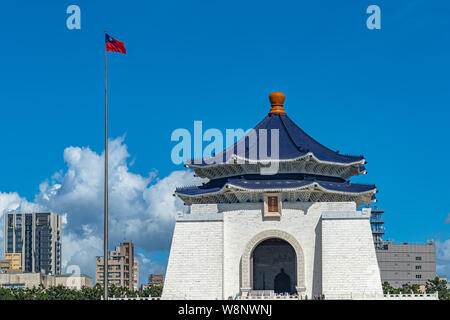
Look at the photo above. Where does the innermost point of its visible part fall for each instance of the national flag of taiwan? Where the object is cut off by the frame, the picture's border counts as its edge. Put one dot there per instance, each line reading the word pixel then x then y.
pixel 114 45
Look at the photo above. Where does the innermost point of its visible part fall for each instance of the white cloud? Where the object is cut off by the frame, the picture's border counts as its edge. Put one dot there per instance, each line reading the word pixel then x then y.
pixel 141 208
pixel 81 251
pixel 443 250
pixel 13 202
pixel 147 266
pixel 443 257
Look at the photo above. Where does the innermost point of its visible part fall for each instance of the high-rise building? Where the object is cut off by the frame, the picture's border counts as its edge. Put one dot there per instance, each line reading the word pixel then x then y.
pixel 38 238
pixel 121 267
pixel 406 263
pixel 376 223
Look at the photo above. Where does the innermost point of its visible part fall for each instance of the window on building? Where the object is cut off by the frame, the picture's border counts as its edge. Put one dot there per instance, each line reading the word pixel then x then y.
pixel 418 276
pixel 418 267
pixel 272 203
pixel 418 258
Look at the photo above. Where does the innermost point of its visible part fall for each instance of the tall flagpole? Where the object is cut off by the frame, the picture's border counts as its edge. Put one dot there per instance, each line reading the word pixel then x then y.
pixel 105 271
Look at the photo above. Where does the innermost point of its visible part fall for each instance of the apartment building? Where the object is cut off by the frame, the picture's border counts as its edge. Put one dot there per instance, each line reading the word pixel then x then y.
pixel 122 267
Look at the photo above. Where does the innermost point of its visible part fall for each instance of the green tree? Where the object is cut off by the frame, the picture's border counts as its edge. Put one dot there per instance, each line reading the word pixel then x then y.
pixel 387 289
pixel 94 293
pixel 439 286
pixel 63 293
pixel 411 289
pixel 155 291
pixel 6 294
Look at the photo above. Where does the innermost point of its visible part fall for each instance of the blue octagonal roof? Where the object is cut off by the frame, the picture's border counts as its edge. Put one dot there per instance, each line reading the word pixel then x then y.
pixel 294 144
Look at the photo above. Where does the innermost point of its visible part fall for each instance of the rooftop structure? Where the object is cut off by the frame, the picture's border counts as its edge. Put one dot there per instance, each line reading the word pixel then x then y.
pixel 306 171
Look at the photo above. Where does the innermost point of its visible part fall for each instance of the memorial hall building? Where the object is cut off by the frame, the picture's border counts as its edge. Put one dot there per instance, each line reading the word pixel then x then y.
pixel 278 214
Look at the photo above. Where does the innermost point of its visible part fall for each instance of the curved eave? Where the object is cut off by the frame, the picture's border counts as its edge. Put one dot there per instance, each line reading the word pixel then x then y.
pixel 315 185
pixel 240 160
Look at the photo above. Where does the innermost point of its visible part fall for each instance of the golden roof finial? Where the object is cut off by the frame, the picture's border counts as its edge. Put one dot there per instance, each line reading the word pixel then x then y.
pixel 277 102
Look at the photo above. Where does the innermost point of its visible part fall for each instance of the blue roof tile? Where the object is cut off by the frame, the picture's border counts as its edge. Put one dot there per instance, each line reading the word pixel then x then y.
pixel 294 143
pixel 275 182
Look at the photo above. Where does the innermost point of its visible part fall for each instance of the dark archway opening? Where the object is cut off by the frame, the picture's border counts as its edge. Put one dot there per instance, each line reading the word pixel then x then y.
pixel 274 266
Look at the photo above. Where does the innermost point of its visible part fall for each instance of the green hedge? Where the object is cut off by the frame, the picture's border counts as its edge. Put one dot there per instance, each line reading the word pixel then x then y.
pixel 63 293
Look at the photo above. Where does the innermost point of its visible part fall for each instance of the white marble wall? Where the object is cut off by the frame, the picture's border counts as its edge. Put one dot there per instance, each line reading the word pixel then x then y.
pixel 207 248
pixel 194 270
pixel 349 263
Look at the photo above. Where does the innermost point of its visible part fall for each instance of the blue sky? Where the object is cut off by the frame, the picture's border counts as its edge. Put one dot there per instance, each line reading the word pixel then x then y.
pixel 382 93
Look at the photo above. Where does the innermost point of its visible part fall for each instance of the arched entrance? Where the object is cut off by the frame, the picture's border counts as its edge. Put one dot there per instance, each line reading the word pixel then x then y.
pixel 247 268
pixel 274 266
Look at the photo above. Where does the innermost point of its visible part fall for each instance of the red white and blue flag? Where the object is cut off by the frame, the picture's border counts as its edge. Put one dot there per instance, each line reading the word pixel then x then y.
pixel 114 45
